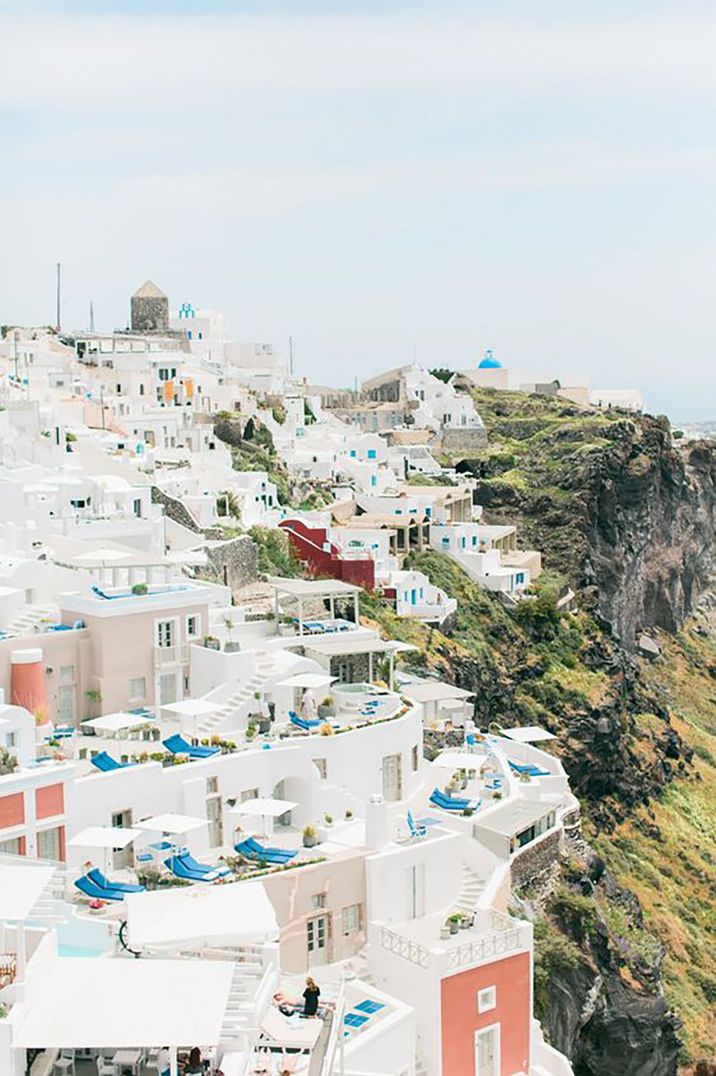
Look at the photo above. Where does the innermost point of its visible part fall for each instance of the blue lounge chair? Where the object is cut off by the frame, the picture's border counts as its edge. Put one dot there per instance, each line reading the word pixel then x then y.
pixel 203 868
pixel 179 746
pixel 105 763
pixel 416 829
pixel 531 769
pixel 452 803
pixel 470 740
pixel 180 870
pixel 99 879
pixel 304 723
pixel 95 892
pixel 253 850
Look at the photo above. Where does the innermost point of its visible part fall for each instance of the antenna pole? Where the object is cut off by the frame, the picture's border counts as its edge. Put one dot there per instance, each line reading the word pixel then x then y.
pixel 290 355
pixel 91 324
pixel 57 319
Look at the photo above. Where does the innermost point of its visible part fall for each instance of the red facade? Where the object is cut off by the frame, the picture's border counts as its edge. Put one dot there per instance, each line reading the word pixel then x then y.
pixel 324 558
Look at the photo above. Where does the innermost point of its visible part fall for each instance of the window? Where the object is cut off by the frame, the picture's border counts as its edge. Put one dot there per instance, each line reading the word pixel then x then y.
pixel 67 674
pixel 415 757
pixel 320 764
pixel 192 626
pixel 137 689
pixel 49 845
pixel 486 999
pixel 137 506
pixel 11 847
pixel 212 786
pixel 318 900
pixel 249 794
pixel 351 919
pixel 11 740
pixel 165 633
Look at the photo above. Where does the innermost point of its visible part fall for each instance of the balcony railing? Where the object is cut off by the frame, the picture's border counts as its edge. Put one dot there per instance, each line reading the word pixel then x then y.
pixel 485 947
pixel 171 655
pixel 404 947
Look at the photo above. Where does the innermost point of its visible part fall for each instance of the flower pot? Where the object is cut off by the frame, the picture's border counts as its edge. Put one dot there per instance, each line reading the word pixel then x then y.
pixel 454 927
pixel 310 842
pixel 444 933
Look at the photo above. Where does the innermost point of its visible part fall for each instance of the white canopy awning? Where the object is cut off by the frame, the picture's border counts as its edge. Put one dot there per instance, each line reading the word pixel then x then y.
pixel 460 760
pixel 264 808
pixel 235 914
pixel 434 691
pixel 119 722
pixel 104 837
pixel 21 886
pixel 171 823
pixel 125 1003
pixel 527 734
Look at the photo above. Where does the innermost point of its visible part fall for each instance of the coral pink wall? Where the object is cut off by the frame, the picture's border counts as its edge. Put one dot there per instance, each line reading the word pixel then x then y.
pixel 49 801
pixel 460 1018
pixel 12 810
pixel 27 685
pixel 308 543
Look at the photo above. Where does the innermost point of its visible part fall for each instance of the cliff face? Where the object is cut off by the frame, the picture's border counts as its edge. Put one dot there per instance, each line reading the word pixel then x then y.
pixel 614 503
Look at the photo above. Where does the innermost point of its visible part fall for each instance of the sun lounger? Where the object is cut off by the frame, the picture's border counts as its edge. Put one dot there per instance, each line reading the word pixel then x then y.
pixel 179 746
pixel 105 763
pixel 304 723
pixel 531 770
pixel 96 892
pixel 281 1032
pixel 180 870
pixel 253 850
pixel 99 879
pixel 194 865
pixel 452 803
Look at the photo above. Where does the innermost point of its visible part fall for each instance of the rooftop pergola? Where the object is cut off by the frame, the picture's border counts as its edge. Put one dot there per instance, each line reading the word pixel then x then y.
pixel 336 645
pixel 303 590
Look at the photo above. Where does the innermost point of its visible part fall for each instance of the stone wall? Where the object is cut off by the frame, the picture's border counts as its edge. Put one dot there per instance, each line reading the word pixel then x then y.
pixel 175 509
pixel 150 313
pixel 536 858
pixel 467 440
pixel 234 563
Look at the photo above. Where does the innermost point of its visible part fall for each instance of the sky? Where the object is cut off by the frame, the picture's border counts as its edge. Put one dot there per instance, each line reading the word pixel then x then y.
pixel 385 181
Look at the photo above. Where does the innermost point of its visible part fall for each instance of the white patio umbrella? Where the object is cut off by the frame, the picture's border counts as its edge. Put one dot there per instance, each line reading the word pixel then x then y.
pixel 308 679
pixel 459 760
pixel 263 808
pixel 192 708
pixel 174 825
pixel 106 838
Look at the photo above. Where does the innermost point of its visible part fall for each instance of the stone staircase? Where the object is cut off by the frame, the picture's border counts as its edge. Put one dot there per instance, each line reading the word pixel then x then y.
pixel 265 667
pixel 30 619
pixel 238 1015
pixel 470 890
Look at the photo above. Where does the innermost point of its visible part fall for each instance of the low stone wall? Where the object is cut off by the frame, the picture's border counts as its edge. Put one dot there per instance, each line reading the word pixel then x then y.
pixel 175 509
pixel 536 858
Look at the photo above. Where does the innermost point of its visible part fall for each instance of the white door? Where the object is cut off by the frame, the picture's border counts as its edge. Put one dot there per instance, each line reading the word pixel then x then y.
pixel 416 891
pixel 66 704
pixel 317 940
pixel 391 778
pixel 487 1051
pixel 123 857
pixel 216 828
pixel 167 688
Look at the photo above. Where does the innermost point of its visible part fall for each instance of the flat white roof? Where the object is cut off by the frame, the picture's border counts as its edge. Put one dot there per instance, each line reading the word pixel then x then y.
pixel 349 642
pixel 527 734
pixel 434 691
pixel 312 588
pixel 21 886
pixel 233 914
pixel 125 1003
pixel 515 815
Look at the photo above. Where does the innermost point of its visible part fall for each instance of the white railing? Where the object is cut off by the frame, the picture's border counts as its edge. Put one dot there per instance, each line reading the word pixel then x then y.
pixel 171 655
pixel 485 947
pixel 336 1033
pixel 404 947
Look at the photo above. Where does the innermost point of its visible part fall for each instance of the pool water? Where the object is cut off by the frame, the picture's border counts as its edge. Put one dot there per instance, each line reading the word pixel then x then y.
pixel 77 950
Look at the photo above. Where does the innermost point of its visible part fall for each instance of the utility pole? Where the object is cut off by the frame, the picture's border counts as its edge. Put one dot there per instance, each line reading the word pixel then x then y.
pixel 91 324
pixel 101 403
pixel 290 355
pixel 57 319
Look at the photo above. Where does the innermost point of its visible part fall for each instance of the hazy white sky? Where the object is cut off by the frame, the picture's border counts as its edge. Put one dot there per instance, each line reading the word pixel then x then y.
pixel 385 181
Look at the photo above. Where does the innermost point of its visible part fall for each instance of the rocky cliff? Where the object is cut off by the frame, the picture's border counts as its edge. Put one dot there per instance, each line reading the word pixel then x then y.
pixel 615 503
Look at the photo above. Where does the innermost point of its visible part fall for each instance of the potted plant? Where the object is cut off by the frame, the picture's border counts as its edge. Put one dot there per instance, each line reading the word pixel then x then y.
pixel 328 819
pixel 468 812
pixel 231 647
pixel 310 836
pixel 211 642
pixel 325 729
pixel 326 707
pixel 251 729
pixel 453 921
pixel 349 815
pixel 140 588
pixel 466 921
pixel 8 762
pixel 94 697
pixel 497 795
